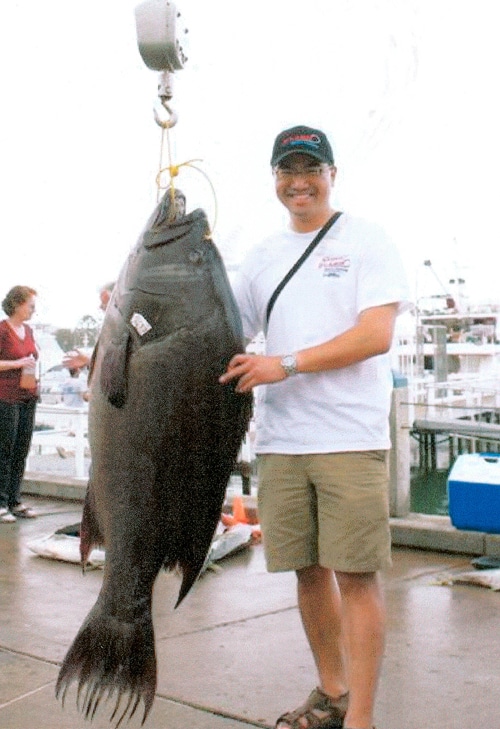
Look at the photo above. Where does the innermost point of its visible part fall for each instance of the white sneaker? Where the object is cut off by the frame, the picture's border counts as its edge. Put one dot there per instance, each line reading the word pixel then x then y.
pixel 6 517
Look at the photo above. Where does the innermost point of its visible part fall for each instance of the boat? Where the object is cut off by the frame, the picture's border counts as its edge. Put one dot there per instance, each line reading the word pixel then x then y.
pixel 447 337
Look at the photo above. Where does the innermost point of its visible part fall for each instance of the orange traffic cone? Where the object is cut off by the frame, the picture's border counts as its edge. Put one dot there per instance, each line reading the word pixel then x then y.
pixel 239 512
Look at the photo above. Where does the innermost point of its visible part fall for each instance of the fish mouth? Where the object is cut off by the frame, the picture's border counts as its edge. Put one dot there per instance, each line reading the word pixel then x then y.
pixel 163 232
pixel 167 233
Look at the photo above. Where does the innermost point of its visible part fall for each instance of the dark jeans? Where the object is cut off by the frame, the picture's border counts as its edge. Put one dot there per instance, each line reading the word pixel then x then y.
pixel 16 429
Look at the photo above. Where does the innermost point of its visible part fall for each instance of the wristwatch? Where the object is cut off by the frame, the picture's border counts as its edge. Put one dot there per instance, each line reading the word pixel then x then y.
pixel 289 364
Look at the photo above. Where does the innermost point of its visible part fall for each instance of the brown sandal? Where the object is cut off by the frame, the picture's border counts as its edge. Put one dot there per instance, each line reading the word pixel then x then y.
pixel 319 712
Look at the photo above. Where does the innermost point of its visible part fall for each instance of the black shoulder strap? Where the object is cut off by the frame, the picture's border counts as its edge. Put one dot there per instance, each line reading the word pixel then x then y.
pixel 298 263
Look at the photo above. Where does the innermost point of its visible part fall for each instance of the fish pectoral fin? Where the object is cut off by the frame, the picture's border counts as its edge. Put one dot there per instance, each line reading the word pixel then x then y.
pixel 190 573
pixel 114 371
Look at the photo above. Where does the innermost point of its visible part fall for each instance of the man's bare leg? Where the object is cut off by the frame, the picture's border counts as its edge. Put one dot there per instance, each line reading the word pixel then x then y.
pixel 321 611
pixel 363 611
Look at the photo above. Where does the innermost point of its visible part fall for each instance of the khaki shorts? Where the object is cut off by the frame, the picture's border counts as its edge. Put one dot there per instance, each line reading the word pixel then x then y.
pixel 329 509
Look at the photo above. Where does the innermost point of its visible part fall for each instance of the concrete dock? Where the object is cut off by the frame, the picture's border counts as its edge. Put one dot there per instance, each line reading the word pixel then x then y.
pixel 233 654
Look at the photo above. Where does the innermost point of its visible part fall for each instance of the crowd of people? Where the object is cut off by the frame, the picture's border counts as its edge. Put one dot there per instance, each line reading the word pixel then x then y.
pixel 326 291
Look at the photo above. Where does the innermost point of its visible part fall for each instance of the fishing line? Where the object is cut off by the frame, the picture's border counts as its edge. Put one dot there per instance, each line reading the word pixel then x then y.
pixel 171 168
pixel 174 170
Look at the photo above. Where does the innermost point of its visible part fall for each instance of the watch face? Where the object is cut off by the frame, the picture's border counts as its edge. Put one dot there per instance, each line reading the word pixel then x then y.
pixel 289 364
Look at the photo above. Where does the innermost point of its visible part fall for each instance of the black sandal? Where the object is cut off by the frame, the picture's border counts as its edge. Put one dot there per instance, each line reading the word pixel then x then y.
pixel 319 712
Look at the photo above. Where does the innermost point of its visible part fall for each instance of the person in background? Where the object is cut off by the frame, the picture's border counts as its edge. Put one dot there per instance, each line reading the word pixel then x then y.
pixel 322 423
pixel 76 359
pixel 74 395
pixel 105 295
pixel 74 390
pixel 18 399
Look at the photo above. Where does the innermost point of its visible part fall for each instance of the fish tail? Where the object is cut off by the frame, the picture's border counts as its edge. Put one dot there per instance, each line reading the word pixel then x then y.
pixel 110 657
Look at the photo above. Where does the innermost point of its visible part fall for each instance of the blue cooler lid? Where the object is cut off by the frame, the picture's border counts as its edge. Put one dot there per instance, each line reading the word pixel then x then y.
pixel 476 468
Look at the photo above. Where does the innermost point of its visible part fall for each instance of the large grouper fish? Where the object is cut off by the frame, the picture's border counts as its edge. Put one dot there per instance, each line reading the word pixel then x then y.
pixel 164 437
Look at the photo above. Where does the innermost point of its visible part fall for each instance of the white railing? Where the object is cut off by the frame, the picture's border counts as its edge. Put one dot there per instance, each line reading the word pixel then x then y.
pixel 465 397
pixel 67 431
pixel 472 382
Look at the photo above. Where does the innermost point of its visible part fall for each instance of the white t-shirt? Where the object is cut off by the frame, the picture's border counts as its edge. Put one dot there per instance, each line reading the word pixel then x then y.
pixel 73 390
pixel 353 268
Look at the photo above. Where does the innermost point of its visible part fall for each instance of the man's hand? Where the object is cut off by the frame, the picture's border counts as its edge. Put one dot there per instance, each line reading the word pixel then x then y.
pixel 75 360
pixel 370 336
pixel 251 370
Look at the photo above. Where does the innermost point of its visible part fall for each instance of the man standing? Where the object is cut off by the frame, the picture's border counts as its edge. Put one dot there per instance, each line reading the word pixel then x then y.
pixel 76 359
pixel 322 423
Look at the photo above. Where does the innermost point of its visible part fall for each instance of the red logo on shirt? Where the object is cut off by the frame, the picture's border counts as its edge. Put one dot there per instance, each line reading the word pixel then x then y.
pixel 334 265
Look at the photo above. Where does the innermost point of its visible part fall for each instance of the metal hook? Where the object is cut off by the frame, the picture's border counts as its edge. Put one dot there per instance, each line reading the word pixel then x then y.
pixel 166 123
